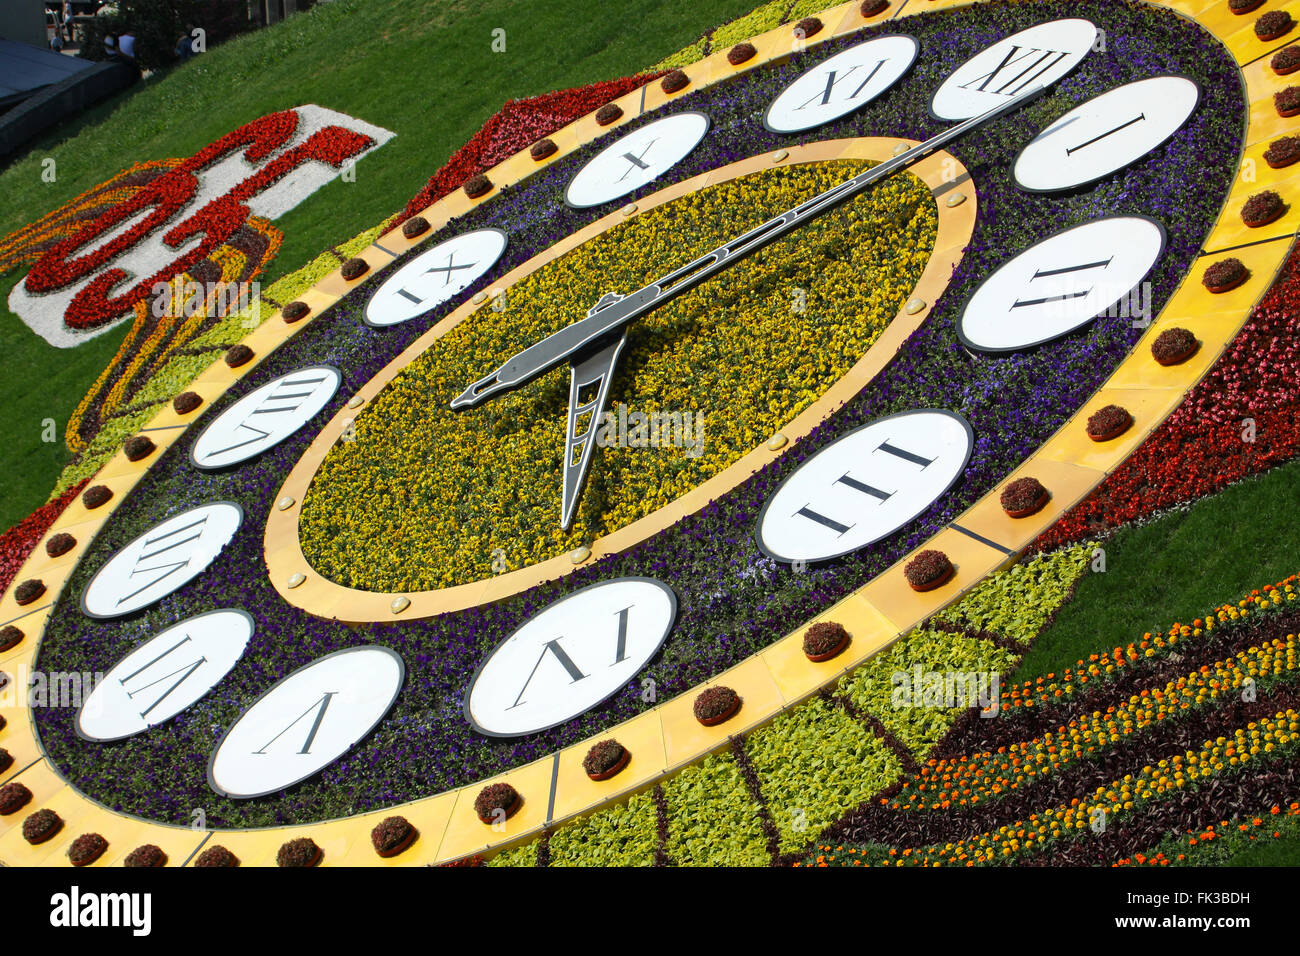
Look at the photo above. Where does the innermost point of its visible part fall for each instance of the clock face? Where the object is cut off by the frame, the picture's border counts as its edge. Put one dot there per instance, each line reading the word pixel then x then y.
pixel 869 483
pixel 435 276
pixel 165 675
pixel 266 417
pixel 840 84
pixel 684 406
pixel 1062 283
pixel 636 159
pixel 1037 56
pixel 854 389
pixel 1106 133
pixel 570 657
pixel 161 560
pixel 306 722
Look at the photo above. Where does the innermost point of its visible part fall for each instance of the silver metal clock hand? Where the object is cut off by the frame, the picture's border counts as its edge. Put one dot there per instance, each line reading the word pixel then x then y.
pixel 613 311
pixel 594 369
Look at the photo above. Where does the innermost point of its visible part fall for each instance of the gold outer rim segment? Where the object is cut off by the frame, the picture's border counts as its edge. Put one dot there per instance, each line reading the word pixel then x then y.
pixel 449 829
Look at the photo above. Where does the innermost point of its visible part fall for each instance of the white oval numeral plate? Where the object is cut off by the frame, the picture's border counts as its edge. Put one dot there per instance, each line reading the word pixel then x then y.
pixel 636 159
pixel 265 417
pixel 1035 57
pixel 841 84
pixel 1063 283
pixel 865 486
pixel 165 675
pixel 306 722
pixel 570 657
pixel 1106 133
pixel 161 560
pixel 435 277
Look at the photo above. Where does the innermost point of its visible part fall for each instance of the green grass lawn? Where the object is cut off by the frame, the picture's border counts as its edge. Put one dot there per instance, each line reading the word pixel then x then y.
pixel 1177 568
pixel 422 68
pixel 1282 852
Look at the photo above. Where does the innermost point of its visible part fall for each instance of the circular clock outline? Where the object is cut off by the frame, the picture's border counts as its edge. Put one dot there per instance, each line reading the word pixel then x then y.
pixel 365 312
pixel 959 326
pixel 252 631
pixel 970 449
pixel 81 600
pixel 217 418
pixel 473 679
pixel 1082 187
pixel 1242 312
pixel 401 684
pixel 916 55
pixel 708 127
pixel 929 106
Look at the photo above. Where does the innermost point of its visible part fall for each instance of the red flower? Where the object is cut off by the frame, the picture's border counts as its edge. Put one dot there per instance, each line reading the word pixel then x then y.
pixel 164 199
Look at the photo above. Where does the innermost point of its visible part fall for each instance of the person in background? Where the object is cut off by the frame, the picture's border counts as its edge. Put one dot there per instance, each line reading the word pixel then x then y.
pixel 185 46
pixel 112 51
pixel 67 20
pixel 56 41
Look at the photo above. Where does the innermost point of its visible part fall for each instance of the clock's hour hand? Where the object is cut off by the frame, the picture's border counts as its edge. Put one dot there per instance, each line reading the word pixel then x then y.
pixel 612 312
pixel 593 369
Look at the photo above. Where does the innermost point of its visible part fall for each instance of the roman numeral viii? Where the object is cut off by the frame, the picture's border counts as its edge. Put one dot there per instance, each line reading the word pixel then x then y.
pixel 158 546
pixel 285 398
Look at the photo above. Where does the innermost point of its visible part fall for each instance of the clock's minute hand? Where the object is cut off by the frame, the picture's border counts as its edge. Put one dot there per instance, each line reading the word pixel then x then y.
pixel 612 312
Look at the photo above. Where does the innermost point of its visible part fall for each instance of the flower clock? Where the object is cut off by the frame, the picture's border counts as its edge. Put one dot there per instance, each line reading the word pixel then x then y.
pixel 760 349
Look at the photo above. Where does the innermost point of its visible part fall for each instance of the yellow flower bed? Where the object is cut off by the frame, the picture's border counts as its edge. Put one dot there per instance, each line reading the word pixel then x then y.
pixel 737 359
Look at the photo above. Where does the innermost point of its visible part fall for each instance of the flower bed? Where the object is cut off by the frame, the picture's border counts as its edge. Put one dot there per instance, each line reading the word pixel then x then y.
pixel 982 776
pixel 816 761
pixel 1219 843
pixel 714 819
pixel 693 354
pixel 1201 447
pixel 1267 745
pixel 516 126
pixel 1148 710
pixel 735 602
pixel 1169 776
pixel 17 543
